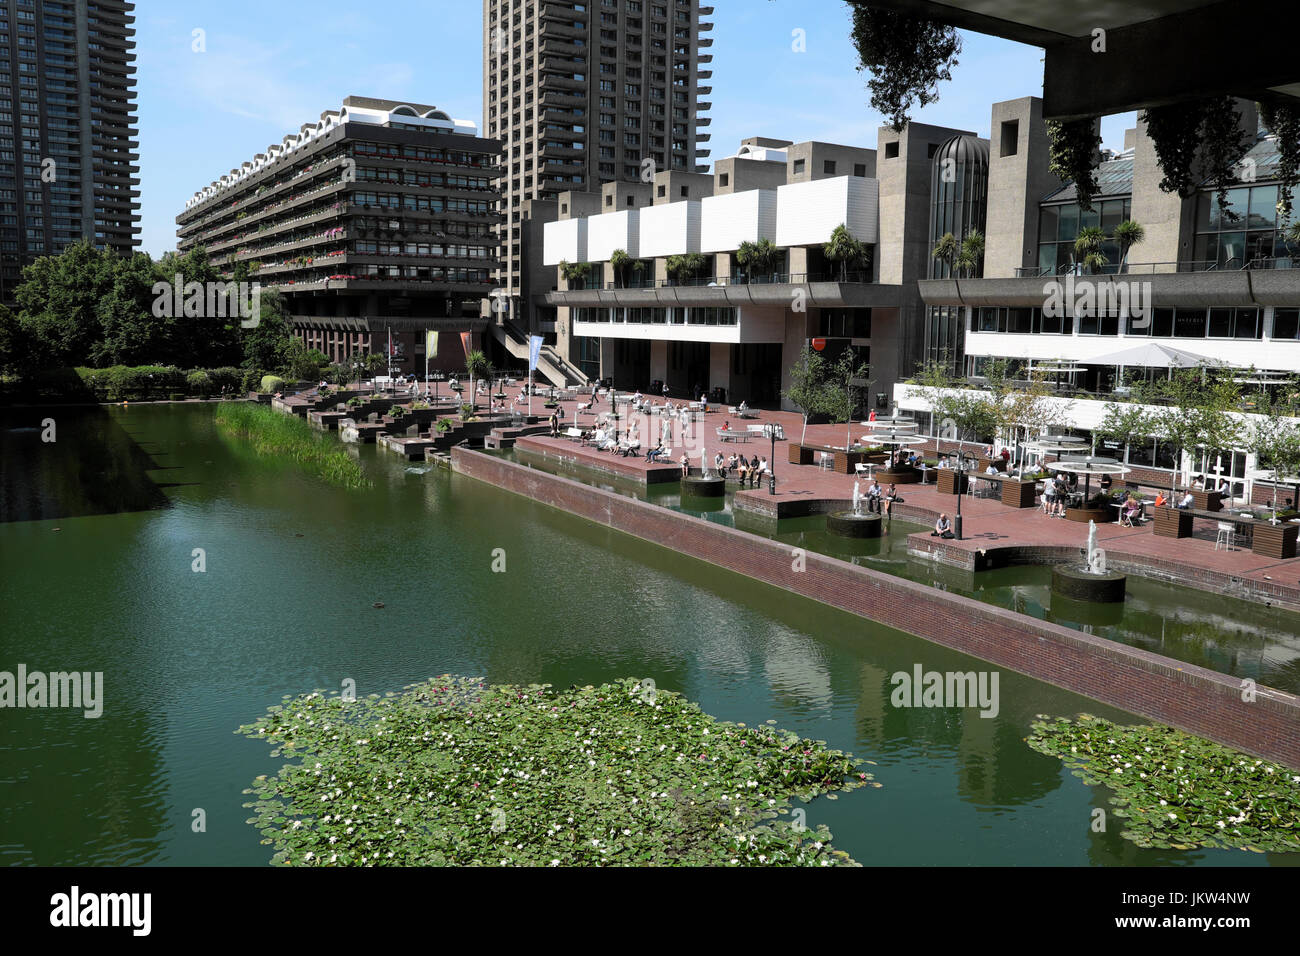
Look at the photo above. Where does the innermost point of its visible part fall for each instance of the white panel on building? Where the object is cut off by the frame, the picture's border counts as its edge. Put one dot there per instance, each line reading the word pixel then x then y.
pixel 727 221
pixel 671 229
pixel 564 241
pixel 613 230
pixel 808 212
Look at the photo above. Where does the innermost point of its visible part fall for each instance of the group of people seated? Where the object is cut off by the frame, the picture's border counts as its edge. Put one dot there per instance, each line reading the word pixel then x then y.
pixel 881 501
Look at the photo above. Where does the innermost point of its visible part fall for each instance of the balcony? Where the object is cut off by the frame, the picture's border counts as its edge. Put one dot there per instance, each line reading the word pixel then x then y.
pixel 853 290
pixel 1162 284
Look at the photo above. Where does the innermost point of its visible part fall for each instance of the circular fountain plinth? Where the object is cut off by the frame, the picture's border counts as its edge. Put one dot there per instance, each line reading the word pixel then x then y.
pixel 848 525
pixel 1081 584
pixel 704 487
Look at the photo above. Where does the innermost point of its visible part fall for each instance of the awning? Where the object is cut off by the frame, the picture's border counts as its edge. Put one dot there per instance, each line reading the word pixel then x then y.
pixel 1152 355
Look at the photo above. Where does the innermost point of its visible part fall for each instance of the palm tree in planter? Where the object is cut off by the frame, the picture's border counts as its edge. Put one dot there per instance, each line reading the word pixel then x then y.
pixel 971 253
pixel 1128 234
pixel 945 250
pixel 758 258
pixel 478 366
pixel 1087 249
pixel 845 249
pixel 618 262
pixel 683 268
pixel 575 273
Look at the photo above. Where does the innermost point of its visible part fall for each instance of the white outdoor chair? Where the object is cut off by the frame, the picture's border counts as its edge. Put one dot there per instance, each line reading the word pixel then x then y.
pixel 826 461
pixel 1227 536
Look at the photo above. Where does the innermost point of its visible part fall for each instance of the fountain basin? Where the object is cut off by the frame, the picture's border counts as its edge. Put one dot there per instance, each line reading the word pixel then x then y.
pixel 1080 584
pixel 704 487
pixel 848 525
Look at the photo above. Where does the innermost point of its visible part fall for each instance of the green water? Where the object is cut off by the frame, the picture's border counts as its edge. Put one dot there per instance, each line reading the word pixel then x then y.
pixel 285 605
pixel 1226 634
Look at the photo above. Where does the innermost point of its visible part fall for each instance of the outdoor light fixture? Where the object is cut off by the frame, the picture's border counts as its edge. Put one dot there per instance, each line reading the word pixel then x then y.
pixel 772 430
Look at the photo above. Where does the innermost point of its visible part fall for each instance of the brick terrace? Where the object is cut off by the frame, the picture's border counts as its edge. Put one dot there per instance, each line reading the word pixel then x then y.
pixel 994 534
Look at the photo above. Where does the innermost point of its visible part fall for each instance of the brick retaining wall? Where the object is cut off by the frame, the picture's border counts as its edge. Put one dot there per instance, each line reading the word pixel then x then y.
pixel 1182 695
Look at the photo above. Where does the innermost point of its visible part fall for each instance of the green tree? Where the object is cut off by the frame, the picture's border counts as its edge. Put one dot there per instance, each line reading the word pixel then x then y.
pixel 14 346
pixel 971 254
pixel 1126 423
pixel 959 413
pixel 758 259
pixel 807 390
pixel 130 333
pixel 685 267
pixel 1273 436
pixel 575 273
pixel 59 299
pixel 845 250
pixel 1128 234
pixel 618 263
pixel 906 57
pixel 844 380
pixel 1087 249
pixel 1200 414
pixel 478 366
pixel 266 345
pixel 945 250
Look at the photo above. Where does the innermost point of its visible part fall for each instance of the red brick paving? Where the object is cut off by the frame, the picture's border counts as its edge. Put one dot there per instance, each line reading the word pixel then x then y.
pixel 988 525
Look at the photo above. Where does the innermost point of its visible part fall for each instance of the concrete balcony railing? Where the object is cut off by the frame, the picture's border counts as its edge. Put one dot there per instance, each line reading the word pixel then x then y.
pixel 820 291
pixel 1276 286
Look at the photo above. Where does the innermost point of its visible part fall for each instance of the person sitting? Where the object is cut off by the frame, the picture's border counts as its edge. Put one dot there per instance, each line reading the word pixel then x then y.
pixel 1186 501
pixel 744 408
pixel 1161 500
pixel 742 470
pixel 654 453
pixel 992 469
pixel 891 496
pixel 586 436
pixel 1132 510
pixel 726 426
pixel 719 465
pixel 1198 483
pixel 942 528
pixel 944 462
pixel 1225 487
pixel 874 495
pixel 1105 483
pixel 754 472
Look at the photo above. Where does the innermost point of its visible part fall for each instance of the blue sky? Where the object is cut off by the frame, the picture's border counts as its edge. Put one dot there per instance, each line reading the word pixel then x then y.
pixel 271 66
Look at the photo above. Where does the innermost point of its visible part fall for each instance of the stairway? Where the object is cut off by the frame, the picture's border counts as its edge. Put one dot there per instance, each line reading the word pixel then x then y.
pixel 550 364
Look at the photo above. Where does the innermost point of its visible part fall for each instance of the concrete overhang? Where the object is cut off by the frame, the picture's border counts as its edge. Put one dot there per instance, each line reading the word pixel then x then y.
pixel 1156 51
pixel 818 295
pixel 1277 287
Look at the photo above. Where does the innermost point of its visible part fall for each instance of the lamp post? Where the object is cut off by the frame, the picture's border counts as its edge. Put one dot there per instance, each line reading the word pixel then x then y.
pixel 771 430
pixel 961 481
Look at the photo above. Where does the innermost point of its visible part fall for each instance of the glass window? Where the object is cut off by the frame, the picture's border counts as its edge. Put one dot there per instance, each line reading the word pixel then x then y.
pixel 1019 320
pixel 1204 209
pixel 1189 324
pixel 1112 213
pixel 1048 217
pixel 1248 324
pixel 1263 207
pixel 1232 250
pixel 1220 323
pixel 1234 210
pixel 1162 322
pixel 1067 227
pixel 1286 323
pixel 1046 258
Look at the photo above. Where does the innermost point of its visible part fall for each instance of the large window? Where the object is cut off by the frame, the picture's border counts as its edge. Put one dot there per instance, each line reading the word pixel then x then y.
pixel 1244 230
pixel 1059 225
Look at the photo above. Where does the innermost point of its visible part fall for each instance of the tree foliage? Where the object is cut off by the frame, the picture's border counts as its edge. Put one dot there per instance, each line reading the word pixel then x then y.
pixel 906 58
pixel 1073 149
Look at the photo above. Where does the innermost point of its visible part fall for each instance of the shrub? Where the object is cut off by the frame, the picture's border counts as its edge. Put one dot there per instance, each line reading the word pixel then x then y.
pixel 225 379
pixel 397 411
pixel 444 425
pixel 199 382
pixel 466 409
pixel 271 384
pixel 419 406
pixel 251 380
pixel 355 402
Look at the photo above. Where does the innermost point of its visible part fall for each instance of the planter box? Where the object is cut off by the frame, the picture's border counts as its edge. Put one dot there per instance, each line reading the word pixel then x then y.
pixel 1207 501
pixel 1172 523
pixel 1275 540
pixel 1099 515
pixel 799 455
pixel 948 484
pixel 997 462
pixel 909 476
pixel 846 460
pixel 1019 494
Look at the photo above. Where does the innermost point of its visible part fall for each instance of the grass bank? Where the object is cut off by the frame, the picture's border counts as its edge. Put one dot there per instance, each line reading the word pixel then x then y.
pixel 282 436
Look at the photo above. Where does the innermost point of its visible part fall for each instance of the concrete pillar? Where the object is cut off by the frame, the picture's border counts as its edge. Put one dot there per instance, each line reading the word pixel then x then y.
pixel 659 360
pixel 720 365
